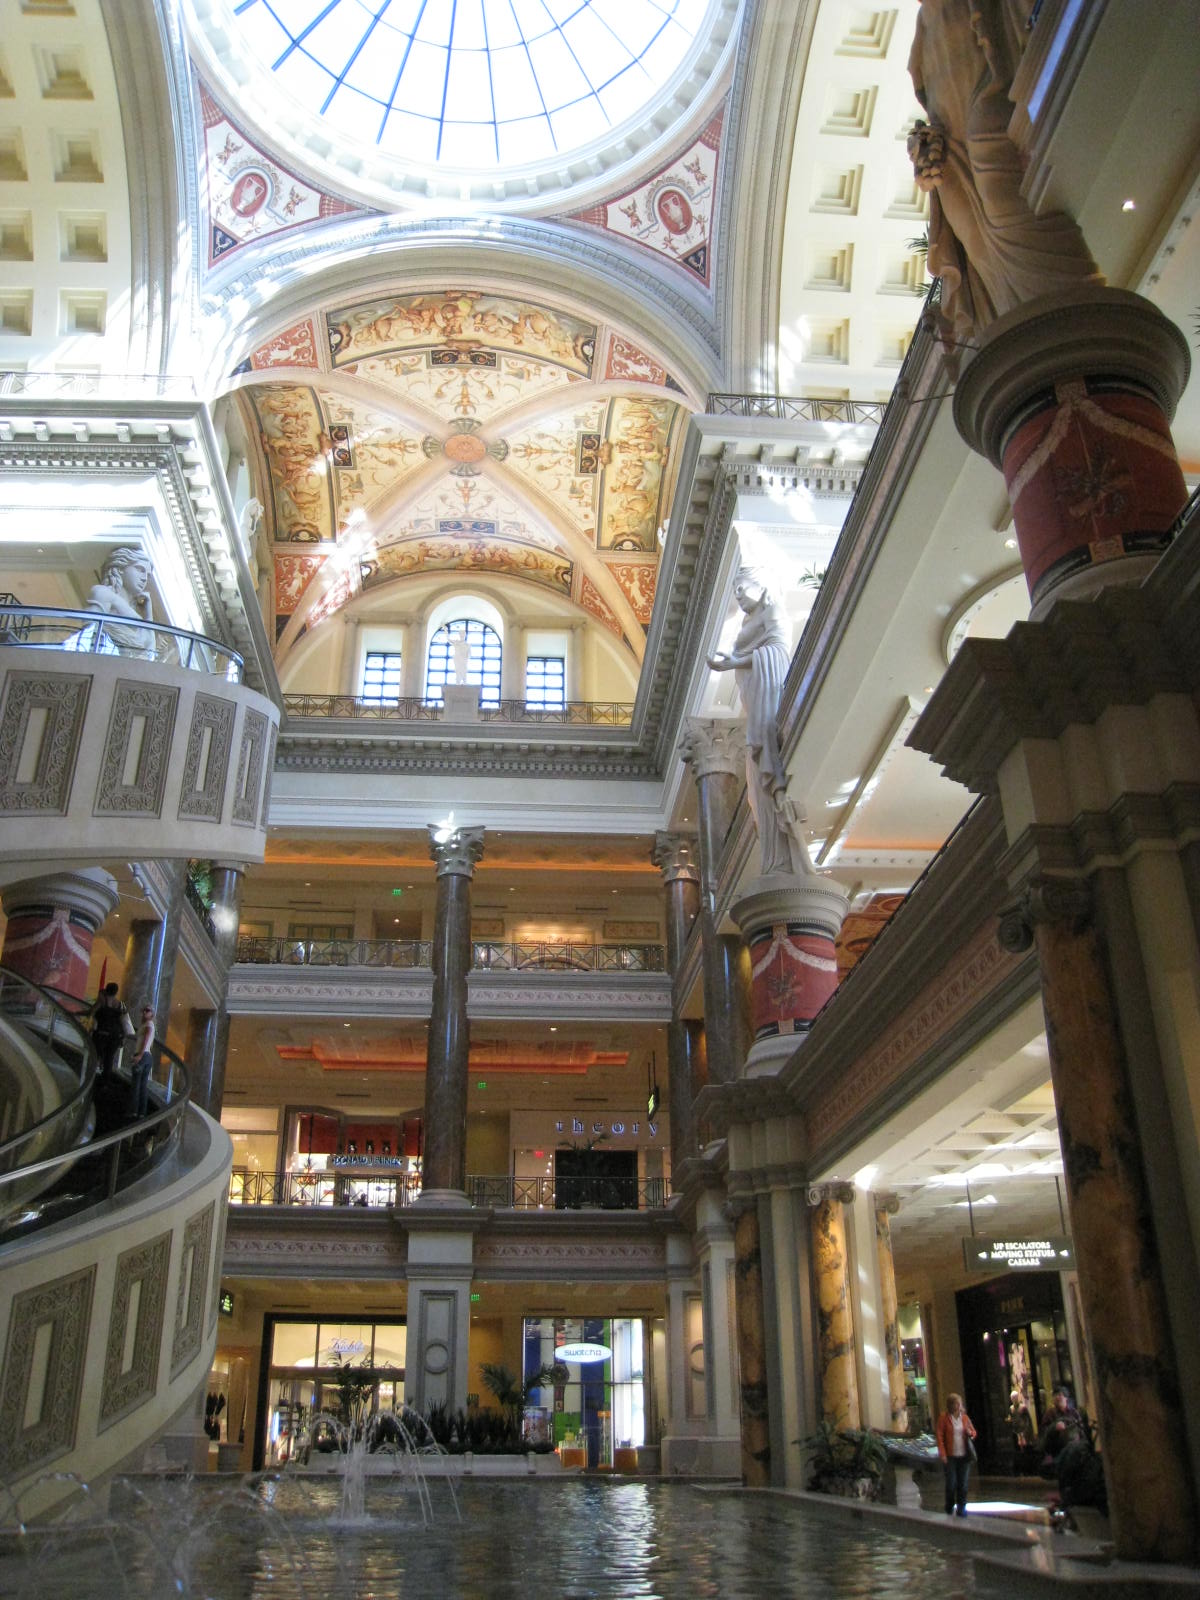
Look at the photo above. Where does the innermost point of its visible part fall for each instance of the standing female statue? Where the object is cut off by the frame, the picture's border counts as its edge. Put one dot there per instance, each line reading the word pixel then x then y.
pixel 122 592
pixel 991 251
pixel 760 658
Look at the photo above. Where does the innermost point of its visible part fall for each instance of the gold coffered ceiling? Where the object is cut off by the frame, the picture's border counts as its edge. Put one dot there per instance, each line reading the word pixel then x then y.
pixel 462 432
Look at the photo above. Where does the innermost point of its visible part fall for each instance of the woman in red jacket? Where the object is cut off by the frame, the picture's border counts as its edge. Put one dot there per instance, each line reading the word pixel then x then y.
pixel 955 1431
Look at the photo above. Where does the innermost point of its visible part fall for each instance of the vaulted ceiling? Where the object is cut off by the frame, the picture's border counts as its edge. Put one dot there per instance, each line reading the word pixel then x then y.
pixel 462 432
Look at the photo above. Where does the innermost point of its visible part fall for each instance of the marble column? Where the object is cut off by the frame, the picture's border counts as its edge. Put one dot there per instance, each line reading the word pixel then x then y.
pixel 208 1040
pixel 1072 396
pixel 673 855
pixel 1120 1279
pixel 52 922
pixel 751 1341
pixel 715 751
pixel 150 953
pixel 835 1318
pixel 448 1050
pixel 885 1208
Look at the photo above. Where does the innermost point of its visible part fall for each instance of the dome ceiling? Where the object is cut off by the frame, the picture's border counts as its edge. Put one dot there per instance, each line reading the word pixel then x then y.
pixel 461 432
pixel 479 101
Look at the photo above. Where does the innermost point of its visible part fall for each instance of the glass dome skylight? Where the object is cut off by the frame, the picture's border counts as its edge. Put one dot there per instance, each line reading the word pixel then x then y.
pixel 474 85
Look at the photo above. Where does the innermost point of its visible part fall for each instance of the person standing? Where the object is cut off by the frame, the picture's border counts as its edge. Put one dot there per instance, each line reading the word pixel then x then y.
pixel 955 1436
pixel 110 1027
pixel 139 1072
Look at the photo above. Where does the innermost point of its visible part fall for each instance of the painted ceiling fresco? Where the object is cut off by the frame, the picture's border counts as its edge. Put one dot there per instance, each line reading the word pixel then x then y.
pixel 461 432
pixel 248 193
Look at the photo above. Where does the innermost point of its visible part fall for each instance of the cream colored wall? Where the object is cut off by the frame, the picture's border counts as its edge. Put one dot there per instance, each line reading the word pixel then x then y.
pixel 487 1143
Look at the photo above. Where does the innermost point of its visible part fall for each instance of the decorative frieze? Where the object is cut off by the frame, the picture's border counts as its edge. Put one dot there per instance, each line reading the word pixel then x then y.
pixel 137 749
pixel 131 1363
pixel 40 723
pixel 33 1436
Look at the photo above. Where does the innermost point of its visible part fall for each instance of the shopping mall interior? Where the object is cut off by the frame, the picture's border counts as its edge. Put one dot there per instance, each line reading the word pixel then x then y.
pixel 616 617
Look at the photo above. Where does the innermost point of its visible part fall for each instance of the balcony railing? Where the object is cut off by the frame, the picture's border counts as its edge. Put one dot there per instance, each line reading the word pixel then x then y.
pixel 369 1191
pixel 409 708
pixel 409 954
pixel 794 408
pixel 568 957
pixel 93 633
pixel 398 954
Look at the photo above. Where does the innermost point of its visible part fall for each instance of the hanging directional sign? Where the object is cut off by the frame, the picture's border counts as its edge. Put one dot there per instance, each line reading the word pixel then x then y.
pixel 1050 1253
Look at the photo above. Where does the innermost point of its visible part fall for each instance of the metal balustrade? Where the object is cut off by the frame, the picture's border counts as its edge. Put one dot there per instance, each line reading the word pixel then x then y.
pixel 398 954
pixel 795 408
pixel 330 1190
pixel 97 633
pixel 411 954
pixel 411 708
pixel 548 957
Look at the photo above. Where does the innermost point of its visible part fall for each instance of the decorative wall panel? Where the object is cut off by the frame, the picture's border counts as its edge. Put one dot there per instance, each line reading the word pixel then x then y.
pixel 193 1286
pixel 270 773
pixel 251 761
pixel 59 703
pixel 140 726
pixel 126 1388
pixel 64 1306
pixel 204 785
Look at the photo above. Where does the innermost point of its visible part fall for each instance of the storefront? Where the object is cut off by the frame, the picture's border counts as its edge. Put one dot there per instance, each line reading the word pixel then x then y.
pixel 313 1370
pixel 327 1158
pixel 566 1160
pixel 596 1416
pixel 1014 1339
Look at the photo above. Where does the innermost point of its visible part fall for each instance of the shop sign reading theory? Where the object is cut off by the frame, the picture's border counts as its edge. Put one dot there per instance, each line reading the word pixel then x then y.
pixel 1051 1254
pixel 579 1126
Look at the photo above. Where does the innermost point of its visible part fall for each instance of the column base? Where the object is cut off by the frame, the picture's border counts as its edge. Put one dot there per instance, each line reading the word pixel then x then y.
pixel 434 1199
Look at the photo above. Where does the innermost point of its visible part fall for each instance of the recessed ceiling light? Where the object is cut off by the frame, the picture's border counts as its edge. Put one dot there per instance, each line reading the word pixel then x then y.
pixel 553 1027
pixel 1010 544
pixel 1128 205
pixel 345 1024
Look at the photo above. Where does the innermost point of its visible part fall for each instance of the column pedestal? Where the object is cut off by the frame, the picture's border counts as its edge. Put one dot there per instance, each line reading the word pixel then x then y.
pixel 52 923
pixel 789 925
pixel 440 1267
pixel 1071 396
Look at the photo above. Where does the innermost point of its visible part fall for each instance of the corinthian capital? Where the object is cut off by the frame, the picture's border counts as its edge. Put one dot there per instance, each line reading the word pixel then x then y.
pixel 714 744
pixel 457 851
pixel 674 855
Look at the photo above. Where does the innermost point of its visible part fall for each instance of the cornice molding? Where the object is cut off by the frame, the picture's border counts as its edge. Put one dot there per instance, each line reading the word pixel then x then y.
pixel 173 442
pixel 1067 669
pixel 324 991
pixel 582 996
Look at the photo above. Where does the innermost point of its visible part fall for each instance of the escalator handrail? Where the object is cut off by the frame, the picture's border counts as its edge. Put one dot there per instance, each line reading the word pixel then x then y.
pixel 171 1112
pixel 87 1076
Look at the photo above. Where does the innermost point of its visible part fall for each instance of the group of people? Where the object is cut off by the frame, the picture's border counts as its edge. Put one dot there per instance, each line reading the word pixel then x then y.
pixel 1063 1425
pixel 111 1027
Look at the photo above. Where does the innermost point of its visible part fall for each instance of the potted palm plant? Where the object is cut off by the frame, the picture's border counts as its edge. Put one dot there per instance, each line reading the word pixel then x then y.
pixel 849 1462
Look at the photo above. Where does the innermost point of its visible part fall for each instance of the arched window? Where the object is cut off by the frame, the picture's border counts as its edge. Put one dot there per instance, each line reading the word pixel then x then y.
pixel 483 659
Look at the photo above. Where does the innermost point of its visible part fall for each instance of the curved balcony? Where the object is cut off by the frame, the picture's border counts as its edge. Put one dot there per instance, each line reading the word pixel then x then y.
pixel 89 633
pixel 410 708
pixel 127 739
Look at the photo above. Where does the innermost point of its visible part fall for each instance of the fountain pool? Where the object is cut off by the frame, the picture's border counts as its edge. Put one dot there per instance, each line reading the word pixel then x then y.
pixel 282 1537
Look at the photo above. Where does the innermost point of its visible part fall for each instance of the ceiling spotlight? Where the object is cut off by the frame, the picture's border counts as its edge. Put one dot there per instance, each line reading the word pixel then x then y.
pixel 1128 205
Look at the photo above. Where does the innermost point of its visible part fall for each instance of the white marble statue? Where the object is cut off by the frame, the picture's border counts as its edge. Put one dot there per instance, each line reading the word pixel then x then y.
pixel 991 251
pixel 460 651
pixel 123 591
pixel 760 658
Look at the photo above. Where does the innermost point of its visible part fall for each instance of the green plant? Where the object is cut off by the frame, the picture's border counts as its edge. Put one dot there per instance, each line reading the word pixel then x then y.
pixel 842 1457
pixel 513 1394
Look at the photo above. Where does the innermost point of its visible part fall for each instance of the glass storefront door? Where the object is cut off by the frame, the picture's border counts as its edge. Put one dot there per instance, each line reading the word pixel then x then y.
pixel 324 1378
pixel 599 1407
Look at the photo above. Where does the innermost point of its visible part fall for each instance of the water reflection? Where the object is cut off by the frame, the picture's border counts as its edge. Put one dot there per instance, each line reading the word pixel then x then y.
pixel 581 1540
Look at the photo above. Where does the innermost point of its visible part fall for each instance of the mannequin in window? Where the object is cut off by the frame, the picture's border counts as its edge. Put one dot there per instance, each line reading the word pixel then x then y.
pixel 370 1149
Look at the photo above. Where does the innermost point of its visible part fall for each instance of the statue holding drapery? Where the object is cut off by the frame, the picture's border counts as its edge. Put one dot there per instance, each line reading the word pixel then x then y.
pixel 990 249
pixel 760 657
